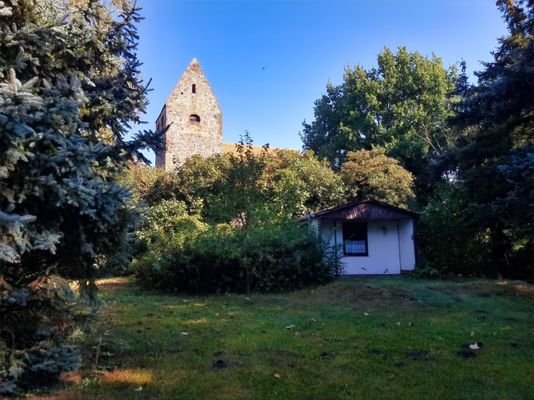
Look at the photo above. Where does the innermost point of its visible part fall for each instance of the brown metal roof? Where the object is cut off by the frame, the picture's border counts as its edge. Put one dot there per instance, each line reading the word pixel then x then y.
pixel 366 210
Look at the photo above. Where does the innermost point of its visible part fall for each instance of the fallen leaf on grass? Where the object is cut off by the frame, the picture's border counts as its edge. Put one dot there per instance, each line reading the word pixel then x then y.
pixel 476 345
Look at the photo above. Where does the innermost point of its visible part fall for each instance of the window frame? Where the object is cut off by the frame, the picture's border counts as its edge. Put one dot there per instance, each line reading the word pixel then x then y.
pixel 345 227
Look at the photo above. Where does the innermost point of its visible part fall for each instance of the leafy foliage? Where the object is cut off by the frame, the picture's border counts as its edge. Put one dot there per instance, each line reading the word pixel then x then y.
pixel 230 226
pixel 372 174
pixel 403 105
pixel 225 187
pixel 271 257
pixel 239 199
pixel 448 239
pixel 298 183
pixel 148 185
pixel 167 224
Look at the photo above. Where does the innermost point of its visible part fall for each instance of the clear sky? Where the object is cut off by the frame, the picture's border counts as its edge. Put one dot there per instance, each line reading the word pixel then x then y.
pixel 269 60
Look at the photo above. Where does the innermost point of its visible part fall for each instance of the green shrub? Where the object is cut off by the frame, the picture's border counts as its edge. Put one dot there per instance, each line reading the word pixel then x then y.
pixel 425 271
pixel 251 243
pixel 283 256
pixel 168 220
pixel 449 239
pixel 165 229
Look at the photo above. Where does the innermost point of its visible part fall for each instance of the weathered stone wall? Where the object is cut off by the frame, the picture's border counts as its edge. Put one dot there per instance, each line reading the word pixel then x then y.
pixel 161 122
pixel 195 120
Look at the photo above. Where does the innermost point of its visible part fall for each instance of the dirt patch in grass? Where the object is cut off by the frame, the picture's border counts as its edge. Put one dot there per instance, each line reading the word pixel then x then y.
pixel 366 296
pixel 521 289
pixel 136 377
pixel 486 289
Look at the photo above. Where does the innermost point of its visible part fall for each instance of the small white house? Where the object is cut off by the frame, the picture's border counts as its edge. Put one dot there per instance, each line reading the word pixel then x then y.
pixel 372 237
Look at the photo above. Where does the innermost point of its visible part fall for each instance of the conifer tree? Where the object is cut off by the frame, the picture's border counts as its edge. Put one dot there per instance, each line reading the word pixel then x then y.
pixel 70 89
pixel 497 161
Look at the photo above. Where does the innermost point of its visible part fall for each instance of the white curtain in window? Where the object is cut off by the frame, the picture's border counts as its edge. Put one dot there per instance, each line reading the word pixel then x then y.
pixel 355 246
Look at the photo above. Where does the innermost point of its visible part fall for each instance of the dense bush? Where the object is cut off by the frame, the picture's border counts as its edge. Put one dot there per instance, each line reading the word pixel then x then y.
pixel 229 224
pixel 166 225
pixel 224 187
pixel 448 240
pixel 282 256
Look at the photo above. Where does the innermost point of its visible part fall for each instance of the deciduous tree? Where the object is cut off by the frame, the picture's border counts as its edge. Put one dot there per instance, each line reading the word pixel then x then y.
pixel 403 105
pixel 372 174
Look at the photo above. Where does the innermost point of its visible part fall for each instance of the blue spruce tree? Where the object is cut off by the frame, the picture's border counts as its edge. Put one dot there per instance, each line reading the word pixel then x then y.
pixel 70 89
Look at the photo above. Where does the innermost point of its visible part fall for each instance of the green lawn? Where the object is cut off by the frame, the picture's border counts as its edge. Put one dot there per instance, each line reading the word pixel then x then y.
pixel 373 338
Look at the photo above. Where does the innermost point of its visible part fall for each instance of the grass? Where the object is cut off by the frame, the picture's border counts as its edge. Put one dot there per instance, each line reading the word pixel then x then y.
pixel 375 338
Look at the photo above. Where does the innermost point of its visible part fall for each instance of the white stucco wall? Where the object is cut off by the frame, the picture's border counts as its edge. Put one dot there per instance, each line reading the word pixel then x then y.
pixel 407 245
pixel 387 249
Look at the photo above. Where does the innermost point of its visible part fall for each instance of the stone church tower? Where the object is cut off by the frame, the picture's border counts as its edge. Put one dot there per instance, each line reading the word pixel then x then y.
pixel 195 120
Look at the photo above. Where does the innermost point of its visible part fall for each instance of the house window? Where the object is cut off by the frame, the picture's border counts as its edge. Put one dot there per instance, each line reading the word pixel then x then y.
pixel 194 88
pixel 194 118
pixel 355 239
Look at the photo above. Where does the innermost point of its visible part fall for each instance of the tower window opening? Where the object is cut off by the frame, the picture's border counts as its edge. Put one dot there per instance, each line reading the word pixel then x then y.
pixel 194 118
pixel 194 88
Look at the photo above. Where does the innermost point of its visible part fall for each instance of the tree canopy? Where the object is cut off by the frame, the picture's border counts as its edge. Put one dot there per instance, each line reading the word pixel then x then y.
pixel 282 183
pixel 404 105
pixel 372 174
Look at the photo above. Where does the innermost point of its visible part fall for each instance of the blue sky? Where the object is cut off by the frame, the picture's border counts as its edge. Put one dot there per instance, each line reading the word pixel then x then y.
pixel 268 60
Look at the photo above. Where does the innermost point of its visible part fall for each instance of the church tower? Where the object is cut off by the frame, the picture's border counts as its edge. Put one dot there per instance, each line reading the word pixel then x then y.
pixel 195 120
